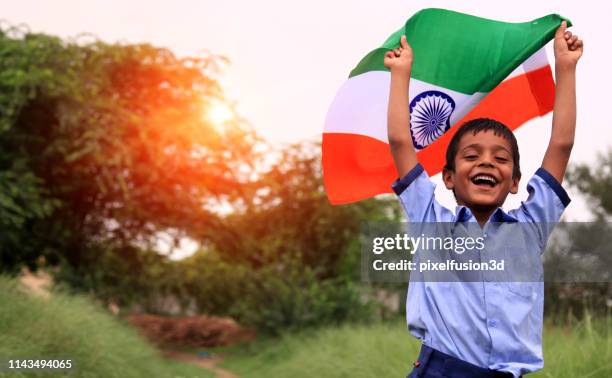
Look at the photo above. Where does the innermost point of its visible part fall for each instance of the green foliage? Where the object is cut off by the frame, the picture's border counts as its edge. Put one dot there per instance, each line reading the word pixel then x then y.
pixel 73 327
pixel 124 275
pixel 273 298
pixel 595 181
pixel 286 213
pixel 103 147
pixel 285 258
pixel 586 250
pixel 107 142
pixel 22 200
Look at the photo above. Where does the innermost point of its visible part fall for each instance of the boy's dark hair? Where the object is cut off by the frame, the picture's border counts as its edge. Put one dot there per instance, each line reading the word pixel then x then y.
pixel 476 126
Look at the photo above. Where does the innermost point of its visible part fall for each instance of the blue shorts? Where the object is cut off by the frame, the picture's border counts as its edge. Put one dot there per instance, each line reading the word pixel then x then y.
pixel 435 364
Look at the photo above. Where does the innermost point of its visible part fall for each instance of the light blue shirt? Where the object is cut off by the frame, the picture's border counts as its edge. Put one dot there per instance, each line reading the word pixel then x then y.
pixel 495 325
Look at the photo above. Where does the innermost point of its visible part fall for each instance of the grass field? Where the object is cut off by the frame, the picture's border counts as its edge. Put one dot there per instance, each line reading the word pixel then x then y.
pixel 74 327
pixel 387 350
pixel 103 346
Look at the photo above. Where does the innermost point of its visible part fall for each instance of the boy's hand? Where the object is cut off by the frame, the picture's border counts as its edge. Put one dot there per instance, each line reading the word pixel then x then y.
pixel 568 48
pixel 400 59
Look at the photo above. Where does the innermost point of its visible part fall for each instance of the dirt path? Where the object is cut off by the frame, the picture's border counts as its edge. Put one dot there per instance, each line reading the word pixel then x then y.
pixel 37 283
pixel 209 363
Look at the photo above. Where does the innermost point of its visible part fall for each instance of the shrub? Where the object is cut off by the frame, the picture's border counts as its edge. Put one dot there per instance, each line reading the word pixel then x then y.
pixel 283 296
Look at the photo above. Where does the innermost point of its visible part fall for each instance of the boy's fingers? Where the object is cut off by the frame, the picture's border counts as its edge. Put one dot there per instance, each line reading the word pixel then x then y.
pixel 571 43
pixel 576 45
pixel 403 41
pixel 568 34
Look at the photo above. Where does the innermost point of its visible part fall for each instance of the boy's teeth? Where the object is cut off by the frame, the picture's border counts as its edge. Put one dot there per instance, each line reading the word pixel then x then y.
pixel 486 178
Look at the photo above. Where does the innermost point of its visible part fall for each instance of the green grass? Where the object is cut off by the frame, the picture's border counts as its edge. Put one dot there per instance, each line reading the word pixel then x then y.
pixel 74 327
pixel 387 350
pixel 103 346
pixel 584 350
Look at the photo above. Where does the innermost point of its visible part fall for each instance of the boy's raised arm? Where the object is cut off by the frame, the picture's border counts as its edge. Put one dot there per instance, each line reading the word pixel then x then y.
pixel 568 49
pixel 399 61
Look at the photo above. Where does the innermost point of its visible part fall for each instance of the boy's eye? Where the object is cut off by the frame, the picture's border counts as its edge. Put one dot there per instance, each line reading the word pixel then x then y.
pixel 470 157
pixel 501 159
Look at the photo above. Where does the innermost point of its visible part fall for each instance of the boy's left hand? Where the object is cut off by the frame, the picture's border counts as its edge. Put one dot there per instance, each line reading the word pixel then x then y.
pixel 568 47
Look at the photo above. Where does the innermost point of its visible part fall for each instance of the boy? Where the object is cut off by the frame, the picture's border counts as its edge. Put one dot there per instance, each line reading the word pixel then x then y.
pixel 482 329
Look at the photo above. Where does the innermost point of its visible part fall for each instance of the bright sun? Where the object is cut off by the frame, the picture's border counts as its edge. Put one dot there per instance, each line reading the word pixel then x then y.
pixel 219 113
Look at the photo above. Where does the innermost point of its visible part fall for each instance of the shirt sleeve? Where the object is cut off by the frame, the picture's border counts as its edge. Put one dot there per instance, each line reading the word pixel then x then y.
pixel 545 204
pixel 416 194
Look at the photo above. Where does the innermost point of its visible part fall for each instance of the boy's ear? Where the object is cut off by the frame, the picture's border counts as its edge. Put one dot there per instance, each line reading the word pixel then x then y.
pixel 515 184
pixel 447 177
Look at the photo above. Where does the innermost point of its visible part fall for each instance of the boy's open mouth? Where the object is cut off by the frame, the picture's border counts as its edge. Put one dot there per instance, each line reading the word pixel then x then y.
pixel 484 179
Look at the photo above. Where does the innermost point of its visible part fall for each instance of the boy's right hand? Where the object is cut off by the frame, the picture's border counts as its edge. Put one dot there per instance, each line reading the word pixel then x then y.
pixel 400 59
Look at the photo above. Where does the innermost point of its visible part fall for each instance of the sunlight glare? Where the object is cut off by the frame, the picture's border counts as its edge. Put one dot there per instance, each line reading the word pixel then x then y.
pixel 219 113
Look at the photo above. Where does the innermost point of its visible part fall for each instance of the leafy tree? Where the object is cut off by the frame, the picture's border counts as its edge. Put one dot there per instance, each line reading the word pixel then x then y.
pixel 285 212
pixel 596 183
pixel 105 146
pixel 107 142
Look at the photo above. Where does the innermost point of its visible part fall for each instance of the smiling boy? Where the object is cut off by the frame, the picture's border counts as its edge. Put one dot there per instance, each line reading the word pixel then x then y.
pixel 482 329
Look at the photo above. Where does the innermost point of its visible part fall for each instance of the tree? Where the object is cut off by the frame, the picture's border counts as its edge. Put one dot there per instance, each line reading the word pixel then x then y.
pixel 104 146
pixel 285 213
pixel 583 254
pixel 108 143
pixel 596 183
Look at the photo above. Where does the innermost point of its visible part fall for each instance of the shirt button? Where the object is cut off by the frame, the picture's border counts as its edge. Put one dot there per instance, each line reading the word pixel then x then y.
pixel 485 235
pixel 492 323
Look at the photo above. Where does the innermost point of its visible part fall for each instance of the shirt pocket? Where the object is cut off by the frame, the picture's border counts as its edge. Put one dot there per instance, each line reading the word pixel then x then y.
pixel 522 289
pixel 522 271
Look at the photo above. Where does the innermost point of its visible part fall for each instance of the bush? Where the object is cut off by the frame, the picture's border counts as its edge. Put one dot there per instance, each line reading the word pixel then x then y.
pixel 283 296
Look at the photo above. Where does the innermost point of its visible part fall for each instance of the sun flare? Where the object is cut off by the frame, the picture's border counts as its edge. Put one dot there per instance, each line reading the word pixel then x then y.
pixel 219 113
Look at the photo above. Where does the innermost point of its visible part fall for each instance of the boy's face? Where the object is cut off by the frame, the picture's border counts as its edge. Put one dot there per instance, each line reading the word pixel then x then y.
pixel 483 171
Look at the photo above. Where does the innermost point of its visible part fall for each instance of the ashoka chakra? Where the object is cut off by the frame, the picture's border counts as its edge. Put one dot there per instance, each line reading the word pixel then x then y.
pixel 430 113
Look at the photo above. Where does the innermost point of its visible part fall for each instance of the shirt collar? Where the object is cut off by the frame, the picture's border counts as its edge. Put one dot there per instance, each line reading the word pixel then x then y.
pixel 463 214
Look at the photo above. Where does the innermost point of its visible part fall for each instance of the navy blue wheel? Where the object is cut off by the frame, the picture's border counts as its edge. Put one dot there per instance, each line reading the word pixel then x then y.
pixel 430 113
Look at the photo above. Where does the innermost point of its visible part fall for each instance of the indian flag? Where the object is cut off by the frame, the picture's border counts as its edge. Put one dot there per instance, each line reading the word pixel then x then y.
pixel 465 67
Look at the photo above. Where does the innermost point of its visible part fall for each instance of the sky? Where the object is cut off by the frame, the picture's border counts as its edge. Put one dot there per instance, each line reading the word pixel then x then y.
pixel 289 58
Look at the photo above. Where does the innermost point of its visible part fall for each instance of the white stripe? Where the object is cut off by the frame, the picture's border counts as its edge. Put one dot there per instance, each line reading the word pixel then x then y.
pixel 360 106
pixel 534 62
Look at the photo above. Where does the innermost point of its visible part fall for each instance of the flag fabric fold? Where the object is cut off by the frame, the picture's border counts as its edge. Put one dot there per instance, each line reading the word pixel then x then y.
pixel 465 67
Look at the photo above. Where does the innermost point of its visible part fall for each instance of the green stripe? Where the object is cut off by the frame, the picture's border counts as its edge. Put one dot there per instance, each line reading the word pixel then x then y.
pixel 464 53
